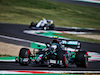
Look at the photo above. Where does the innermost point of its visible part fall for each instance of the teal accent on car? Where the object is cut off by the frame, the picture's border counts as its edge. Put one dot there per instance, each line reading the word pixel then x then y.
pixel 72 43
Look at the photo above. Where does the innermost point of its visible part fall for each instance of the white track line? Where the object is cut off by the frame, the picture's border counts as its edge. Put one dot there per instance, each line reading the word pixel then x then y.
pixel 18 39
pixel 72 71
pixel 55 72
pixel 12 38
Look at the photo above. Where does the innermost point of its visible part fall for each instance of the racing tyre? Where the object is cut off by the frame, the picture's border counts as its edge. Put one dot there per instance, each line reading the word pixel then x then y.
pixel 24 56
pixel 32 25
pixel 81 59
pixel 65 59
pixel 52 27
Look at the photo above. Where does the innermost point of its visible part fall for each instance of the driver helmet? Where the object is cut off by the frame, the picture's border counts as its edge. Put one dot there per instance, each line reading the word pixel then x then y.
pixel 55 39
pixel 43 18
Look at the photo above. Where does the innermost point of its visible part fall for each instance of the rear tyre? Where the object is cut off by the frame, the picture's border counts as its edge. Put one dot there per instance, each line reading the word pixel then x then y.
pixel 81 59
pixel 24 56
pixel 52 27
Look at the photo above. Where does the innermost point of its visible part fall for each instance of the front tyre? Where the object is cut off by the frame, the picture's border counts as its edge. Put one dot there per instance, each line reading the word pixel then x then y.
pixel 24 56
pixel 81 59
pixel 32 25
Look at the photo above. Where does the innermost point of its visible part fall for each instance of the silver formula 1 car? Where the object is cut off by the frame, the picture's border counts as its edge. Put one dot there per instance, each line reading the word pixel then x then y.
pixel 60 53
pixel 43 24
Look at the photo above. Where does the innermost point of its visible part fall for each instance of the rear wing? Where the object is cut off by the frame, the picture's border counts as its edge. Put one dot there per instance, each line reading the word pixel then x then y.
pixel 71 43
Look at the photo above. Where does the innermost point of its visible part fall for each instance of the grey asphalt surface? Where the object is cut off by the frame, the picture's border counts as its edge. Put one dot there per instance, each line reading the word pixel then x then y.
pixel 93 66
pixel 16 30
pixel 79 2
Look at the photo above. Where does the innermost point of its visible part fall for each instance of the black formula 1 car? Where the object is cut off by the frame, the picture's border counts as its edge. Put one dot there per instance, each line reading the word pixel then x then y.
pixel 43 25
pixel 62 54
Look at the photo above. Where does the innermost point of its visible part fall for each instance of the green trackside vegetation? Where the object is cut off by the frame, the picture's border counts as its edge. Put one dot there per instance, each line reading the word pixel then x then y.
pixel 63 14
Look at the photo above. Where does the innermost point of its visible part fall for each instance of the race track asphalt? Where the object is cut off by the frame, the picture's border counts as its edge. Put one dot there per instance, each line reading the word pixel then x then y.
pixel 93 66
pixel 16 30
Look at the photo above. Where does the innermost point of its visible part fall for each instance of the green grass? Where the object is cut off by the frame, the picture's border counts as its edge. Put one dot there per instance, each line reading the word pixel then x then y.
pixel 75 37
pixel 63 14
